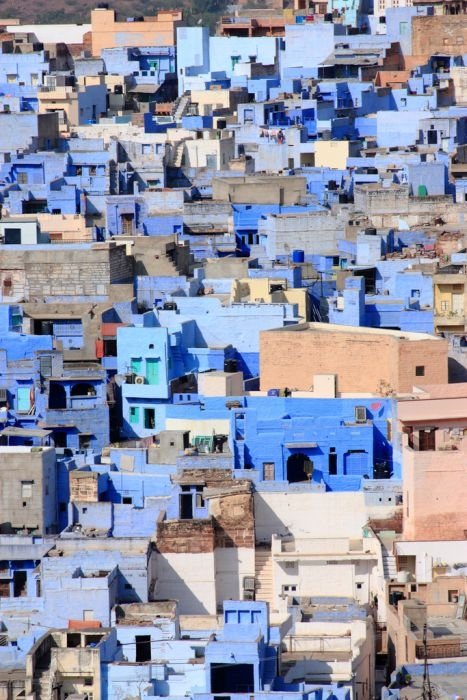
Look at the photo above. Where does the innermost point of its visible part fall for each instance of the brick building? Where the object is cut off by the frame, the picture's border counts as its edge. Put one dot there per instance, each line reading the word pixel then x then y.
pixel 362 360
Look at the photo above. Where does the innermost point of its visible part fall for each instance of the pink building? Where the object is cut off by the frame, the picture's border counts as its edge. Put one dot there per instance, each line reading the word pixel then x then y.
pixel 434 426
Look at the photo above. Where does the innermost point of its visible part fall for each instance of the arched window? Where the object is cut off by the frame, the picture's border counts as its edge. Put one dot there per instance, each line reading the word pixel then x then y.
pixel 57 395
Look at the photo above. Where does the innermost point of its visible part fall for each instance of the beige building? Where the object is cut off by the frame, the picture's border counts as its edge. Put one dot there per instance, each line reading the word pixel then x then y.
pixel 204 102
pixel 270 291
pixel 27 496
pixel 323 649
pixel 68 659
pixel 213 149
pixel 75 105
pixel 259 190
pixel 109 32
pixel 450 297
pixel 363 360
pixel 413 605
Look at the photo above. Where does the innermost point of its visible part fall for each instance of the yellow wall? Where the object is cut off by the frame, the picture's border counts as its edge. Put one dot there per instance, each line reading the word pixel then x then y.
pixel 331 154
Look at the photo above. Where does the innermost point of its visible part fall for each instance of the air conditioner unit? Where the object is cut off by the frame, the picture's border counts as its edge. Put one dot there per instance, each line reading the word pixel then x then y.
pixel 360 414
pixel 249 583
pixel 248 595
pixel 139 380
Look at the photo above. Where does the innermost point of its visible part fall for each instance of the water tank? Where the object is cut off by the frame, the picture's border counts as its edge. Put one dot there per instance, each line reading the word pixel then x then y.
pixel 230 365
pixel 298 256
pixel 403 576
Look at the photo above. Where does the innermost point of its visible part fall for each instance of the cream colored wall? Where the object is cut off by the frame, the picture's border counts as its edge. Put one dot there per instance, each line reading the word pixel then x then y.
pixel 197 150
pixel 232 565
pixel 188 578
pixel 331 154
pixel 309 514
pixel 213 384
pixel 72 227
pixel 209 426
pixel 214 99
pixel 60 99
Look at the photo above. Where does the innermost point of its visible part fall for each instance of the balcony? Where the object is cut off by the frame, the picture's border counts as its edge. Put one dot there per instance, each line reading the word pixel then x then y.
pixel 328 550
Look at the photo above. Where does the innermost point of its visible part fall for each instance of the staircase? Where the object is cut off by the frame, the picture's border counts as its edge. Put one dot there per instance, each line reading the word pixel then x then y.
pixel 387 537
pixel 181 107
pixel 263 575
pixel 177 156
pixel 42 684
pixel 389 564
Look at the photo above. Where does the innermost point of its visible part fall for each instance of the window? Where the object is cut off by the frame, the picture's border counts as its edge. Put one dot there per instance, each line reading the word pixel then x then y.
pixel 332 461
pixel 143 647
pixel 127 500
pixel 134 414
pixel 12 236
pixel 22 178
pixel 26 489
pixel 211 160
pixel 146 148
pixel 403 28
pixel 11 78
pixel 149 418
pixel 268 470
pixel 45 365
pixel 136 363
pixel 420 371
pixel 199 500
pixel 84 441
pixel 453 596
pixel 444 305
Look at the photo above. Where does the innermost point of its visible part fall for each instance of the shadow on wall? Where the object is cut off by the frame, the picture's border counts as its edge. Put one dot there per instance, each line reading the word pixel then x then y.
pixel 457 372
pixel 171 586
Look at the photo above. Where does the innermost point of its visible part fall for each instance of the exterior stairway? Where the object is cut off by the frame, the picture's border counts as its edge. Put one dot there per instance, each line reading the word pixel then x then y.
pixel 263 575
pixel 181 107
pixel 42 685
pixel 177 157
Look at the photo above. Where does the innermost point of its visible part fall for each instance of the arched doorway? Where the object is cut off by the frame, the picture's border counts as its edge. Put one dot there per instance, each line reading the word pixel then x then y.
pixel 299 468
pixel 57 395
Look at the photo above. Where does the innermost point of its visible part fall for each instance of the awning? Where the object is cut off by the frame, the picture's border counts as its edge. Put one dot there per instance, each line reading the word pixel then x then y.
pixel 53 426
pixel 12 431
pixel 145 89
pixel 295 445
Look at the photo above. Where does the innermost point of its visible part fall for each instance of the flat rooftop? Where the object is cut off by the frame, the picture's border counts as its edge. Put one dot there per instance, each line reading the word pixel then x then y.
pixel 23 449
pixel 354 330
pixel 145 614
pixel 448 679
